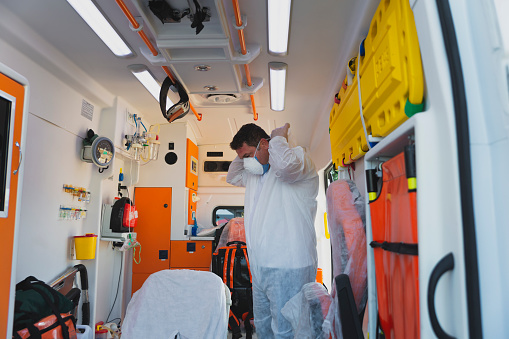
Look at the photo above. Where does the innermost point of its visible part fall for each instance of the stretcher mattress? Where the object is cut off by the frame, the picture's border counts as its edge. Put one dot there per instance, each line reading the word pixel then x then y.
pixel 191 303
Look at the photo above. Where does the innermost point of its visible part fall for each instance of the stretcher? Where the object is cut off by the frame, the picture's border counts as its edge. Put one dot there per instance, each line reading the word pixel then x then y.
pixel 183 303
pixel 394 227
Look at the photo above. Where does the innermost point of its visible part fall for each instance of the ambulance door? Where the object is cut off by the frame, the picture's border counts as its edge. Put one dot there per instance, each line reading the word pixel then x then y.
pixel 13 94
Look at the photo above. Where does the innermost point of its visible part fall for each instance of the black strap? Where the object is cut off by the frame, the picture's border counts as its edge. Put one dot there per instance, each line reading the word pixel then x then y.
pixel 396 247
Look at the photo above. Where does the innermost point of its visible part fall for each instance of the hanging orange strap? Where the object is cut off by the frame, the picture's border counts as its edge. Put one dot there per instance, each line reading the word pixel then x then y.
pixel 232 262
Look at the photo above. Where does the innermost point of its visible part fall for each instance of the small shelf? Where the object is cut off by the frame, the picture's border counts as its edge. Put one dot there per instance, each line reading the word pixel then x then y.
pixel 393 144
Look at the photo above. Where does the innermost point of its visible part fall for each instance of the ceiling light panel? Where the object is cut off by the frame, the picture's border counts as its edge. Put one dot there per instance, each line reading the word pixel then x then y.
pixel 277 74
pixel 94 18
pixel 278 25
pixel 147 79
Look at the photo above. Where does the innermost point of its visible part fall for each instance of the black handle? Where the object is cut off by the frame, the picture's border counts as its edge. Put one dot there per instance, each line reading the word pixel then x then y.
pixel 85 307
pixel 444 265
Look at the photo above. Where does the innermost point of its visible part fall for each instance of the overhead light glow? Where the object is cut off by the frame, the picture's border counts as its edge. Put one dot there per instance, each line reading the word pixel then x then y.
pixel 279 25
pixel 277 73
pixel 150 83
pixel 94 18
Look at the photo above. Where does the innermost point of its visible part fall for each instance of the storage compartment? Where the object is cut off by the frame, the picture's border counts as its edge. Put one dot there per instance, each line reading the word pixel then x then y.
pixel 191 254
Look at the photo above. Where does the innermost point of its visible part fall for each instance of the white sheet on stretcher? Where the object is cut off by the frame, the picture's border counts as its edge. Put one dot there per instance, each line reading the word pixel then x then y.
pixel 191 303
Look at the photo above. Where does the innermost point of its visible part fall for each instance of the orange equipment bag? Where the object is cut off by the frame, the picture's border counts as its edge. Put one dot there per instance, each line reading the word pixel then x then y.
pixel 231 263
pixel 394 226
pixel 49 328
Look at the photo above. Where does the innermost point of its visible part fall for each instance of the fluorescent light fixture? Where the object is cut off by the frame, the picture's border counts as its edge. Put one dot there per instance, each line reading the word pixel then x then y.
pixel 147 79
pixel 279 25
pixel 94 18
pixel 277 74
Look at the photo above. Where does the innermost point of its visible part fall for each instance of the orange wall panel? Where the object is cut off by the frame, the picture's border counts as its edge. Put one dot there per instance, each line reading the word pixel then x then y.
pixel 191 165
pixel 154 227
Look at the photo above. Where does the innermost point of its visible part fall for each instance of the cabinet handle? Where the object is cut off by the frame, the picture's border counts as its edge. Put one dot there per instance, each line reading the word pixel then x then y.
pixel 444 265
pixel 20 158
pixel 165 205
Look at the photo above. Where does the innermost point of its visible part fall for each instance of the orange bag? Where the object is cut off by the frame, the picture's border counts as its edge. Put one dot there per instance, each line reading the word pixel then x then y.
pixel 49 328
pixel 394 227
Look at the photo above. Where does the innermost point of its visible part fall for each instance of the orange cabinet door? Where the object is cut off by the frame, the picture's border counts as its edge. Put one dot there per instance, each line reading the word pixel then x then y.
pixel 191 165
pixel 190 254
pixel 11 119
pixel 154 228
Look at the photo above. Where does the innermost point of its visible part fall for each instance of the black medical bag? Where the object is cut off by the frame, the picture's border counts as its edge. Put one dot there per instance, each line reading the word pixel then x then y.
pixel 231 263
pixel 42 312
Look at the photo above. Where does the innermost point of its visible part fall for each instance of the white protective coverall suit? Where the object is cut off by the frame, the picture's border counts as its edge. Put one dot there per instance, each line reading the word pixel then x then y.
pixel 279 214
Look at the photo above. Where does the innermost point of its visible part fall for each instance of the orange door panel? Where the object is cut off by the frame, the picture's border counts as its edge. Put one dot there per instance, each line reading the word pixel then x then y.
pixel 8 203
pixel 154 228
pixel 190 254
pixel 191 165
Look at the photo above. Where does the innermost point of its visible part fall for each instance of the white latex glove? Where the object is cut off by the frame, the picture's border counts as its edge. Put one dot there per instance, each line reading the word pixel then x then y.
pixel 280 131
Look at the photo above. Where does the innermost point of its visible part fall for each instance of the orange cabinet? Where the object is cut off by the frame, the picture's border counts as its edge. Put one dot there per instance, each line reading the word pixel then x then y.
pixel 191 254
pixel 191 165
pixel 153 231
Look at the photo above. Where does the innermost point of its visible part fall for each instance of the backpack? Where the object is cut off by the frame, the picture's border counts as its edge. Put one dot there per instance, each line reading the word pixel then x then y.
pixel 231 263
pixel 42 312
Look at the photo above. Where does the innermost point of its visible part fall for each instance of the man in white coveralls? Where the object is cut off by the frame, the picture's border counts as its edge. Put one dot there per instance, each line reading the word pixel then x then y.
pixel 280 207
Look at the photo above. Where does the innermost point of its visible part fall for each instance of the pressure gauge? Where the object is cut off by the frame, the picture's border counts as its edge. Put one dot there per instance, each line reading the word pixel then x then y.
pixel 98 150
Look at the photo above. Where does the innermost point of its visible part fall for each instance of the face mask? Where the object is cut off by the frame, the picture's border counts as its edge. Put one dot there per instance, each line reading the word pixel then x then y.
pixel 253 166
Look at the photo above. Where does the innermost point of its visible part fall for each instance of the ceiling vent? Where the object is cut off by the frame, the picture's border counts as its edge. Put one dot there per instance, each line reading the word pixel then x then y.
pixel 223 98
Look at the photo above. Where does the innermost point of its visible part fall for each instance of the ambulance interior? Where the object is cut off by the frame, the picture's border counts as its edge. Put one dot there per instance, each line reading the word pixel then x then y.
pixel 403 105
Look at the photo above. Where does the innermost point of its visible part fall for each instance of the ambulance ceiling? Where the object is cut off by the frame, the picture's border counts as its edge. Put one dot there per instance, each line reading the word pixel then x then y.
pixel 323 36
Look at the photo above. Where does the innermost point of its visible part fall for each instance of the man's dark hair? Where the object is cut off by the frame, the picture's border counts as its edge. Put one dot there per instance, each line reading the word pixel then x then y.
pixel 250 134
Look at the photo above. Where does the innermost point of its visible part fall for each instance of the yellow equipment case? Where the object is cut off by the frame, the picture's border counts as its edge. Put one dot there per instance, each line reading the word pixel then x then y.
pixel 391 83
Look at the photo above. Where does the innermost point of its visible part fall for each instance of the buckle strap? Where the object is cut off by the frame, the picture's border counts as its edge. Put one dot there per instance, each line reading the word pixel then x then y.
pixel 396 247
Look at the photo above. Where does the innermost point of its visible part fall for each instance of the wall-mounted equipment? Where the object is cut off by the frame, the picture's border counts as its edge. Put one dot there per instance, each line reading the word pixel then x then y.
pixel 143 145
pixel 97 150
pixel 118 220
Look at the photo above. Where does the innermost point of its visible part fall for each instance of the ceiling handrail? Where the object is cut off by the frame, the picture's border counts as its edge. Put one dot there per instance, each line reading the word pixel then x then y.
pixel 242 41
pixel 150 46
